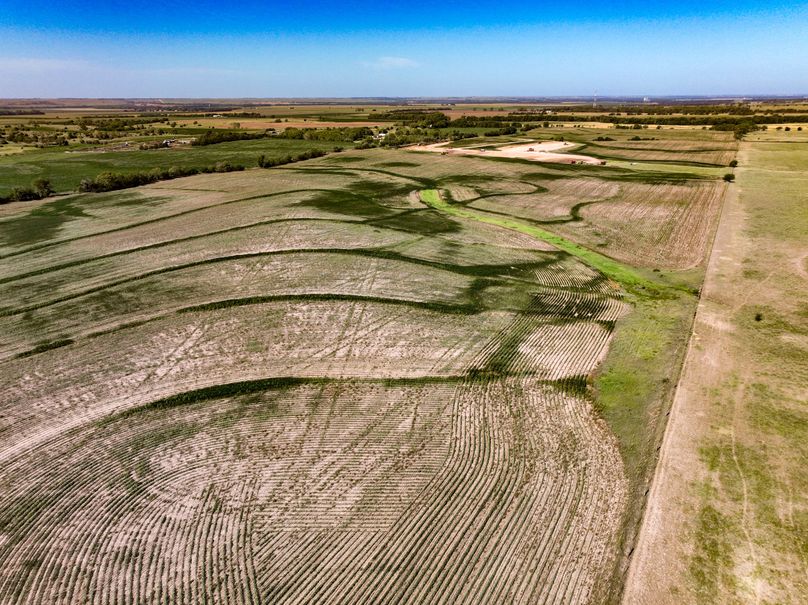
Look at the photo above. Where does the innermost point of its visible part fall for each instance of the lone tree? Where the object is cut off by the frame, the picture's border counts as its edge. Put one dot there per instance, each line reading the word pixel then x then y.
pixel 729 177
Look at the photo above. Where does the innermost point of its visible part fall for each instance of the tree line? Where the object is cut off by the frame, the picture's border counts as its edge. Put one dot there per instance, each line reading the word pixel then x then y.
pixel 346 134
pixel 668 120
pixel 265 162
pixel 417 118
pixel 214 137
pixel 21 112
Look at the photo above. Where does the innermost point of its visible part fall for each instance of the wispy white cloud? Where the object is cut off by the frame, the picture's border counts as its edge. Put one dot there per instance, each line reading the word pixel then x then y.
pixel 391 63
pixel 38 65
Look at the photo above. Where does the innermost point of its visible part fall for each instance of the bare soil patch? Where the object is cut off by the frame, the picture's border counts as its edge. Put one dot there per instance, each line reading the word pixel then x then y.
pixel 539 151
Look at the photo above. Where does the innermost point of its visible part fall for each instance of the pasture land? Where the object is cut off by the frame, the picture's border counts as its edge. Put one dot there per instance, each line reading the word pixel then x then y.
pixel 377 376
pixel 726 519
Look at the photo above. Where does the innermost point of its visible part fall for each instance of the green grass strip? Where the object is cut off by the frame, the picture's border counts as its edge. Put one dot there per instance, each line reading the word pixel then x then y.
pixel 632 280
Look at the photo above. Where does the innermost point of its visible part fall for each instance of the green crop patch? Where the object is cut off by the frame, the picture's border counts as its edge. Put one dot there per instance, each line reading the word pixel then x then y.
pixel 346 159
pixel 420 221
pixel 347 203
pixel 40 224
pixel 397 165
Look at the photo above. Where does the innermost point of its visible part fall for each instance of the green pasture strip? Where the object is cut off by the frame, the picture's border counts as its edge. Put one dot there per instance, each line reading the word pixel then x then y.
pixel 66 170
pixel 633 393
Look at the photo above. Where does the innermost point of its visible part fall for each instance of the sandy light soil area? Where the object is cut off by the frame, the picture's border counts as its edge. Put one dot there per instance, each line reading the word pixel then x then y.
pixel 542 151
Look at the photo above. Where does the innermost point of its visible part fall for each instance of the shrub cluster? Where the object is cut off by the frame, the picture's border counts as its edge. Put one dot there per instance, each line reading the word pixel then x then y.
pixel 739 127
pixel 40 188
pixel 501 131
pixel 112 181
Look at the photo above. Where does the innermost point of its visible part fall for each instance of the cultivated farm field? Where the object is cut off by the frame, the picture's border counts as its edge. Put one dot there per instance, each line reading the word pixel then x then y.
pixel 378 376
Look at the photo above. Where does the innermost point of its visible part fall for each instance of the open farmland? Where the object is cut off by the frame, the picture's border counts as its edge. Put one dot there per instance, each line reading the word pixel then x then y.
pixel 378 376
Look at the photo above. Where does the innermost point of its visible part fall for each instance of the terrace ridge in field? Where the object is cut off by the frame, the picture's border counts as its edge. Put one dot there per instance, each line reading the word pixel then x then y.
pixel 374 376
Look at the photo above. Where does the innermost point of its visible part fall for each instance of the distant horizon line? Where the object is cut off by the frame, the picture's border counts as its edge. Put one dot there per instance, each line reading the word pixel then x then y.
pixel 449 98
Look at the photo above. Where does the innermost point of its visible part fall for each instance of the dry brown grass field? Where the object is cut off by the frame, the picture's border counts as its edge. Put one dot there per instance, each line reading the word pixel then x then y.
pixel 726 520
pixel 379 376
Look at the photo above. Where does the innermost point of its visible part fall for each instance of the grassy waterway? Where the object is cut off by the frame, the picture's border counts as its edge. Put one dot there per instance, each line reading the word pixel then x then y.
pixel 631 279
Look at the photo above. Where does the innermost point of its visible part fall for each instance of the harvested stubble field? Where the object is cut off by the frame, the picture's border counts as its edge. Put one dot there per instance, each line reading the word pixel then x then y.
pixel 350 380
pixel 688 147
pixel 717 150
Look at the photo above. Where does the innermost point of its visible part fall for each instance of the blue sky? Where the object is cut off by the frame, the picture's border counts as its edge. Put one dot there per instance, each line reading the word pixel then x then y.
pixel 178 48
